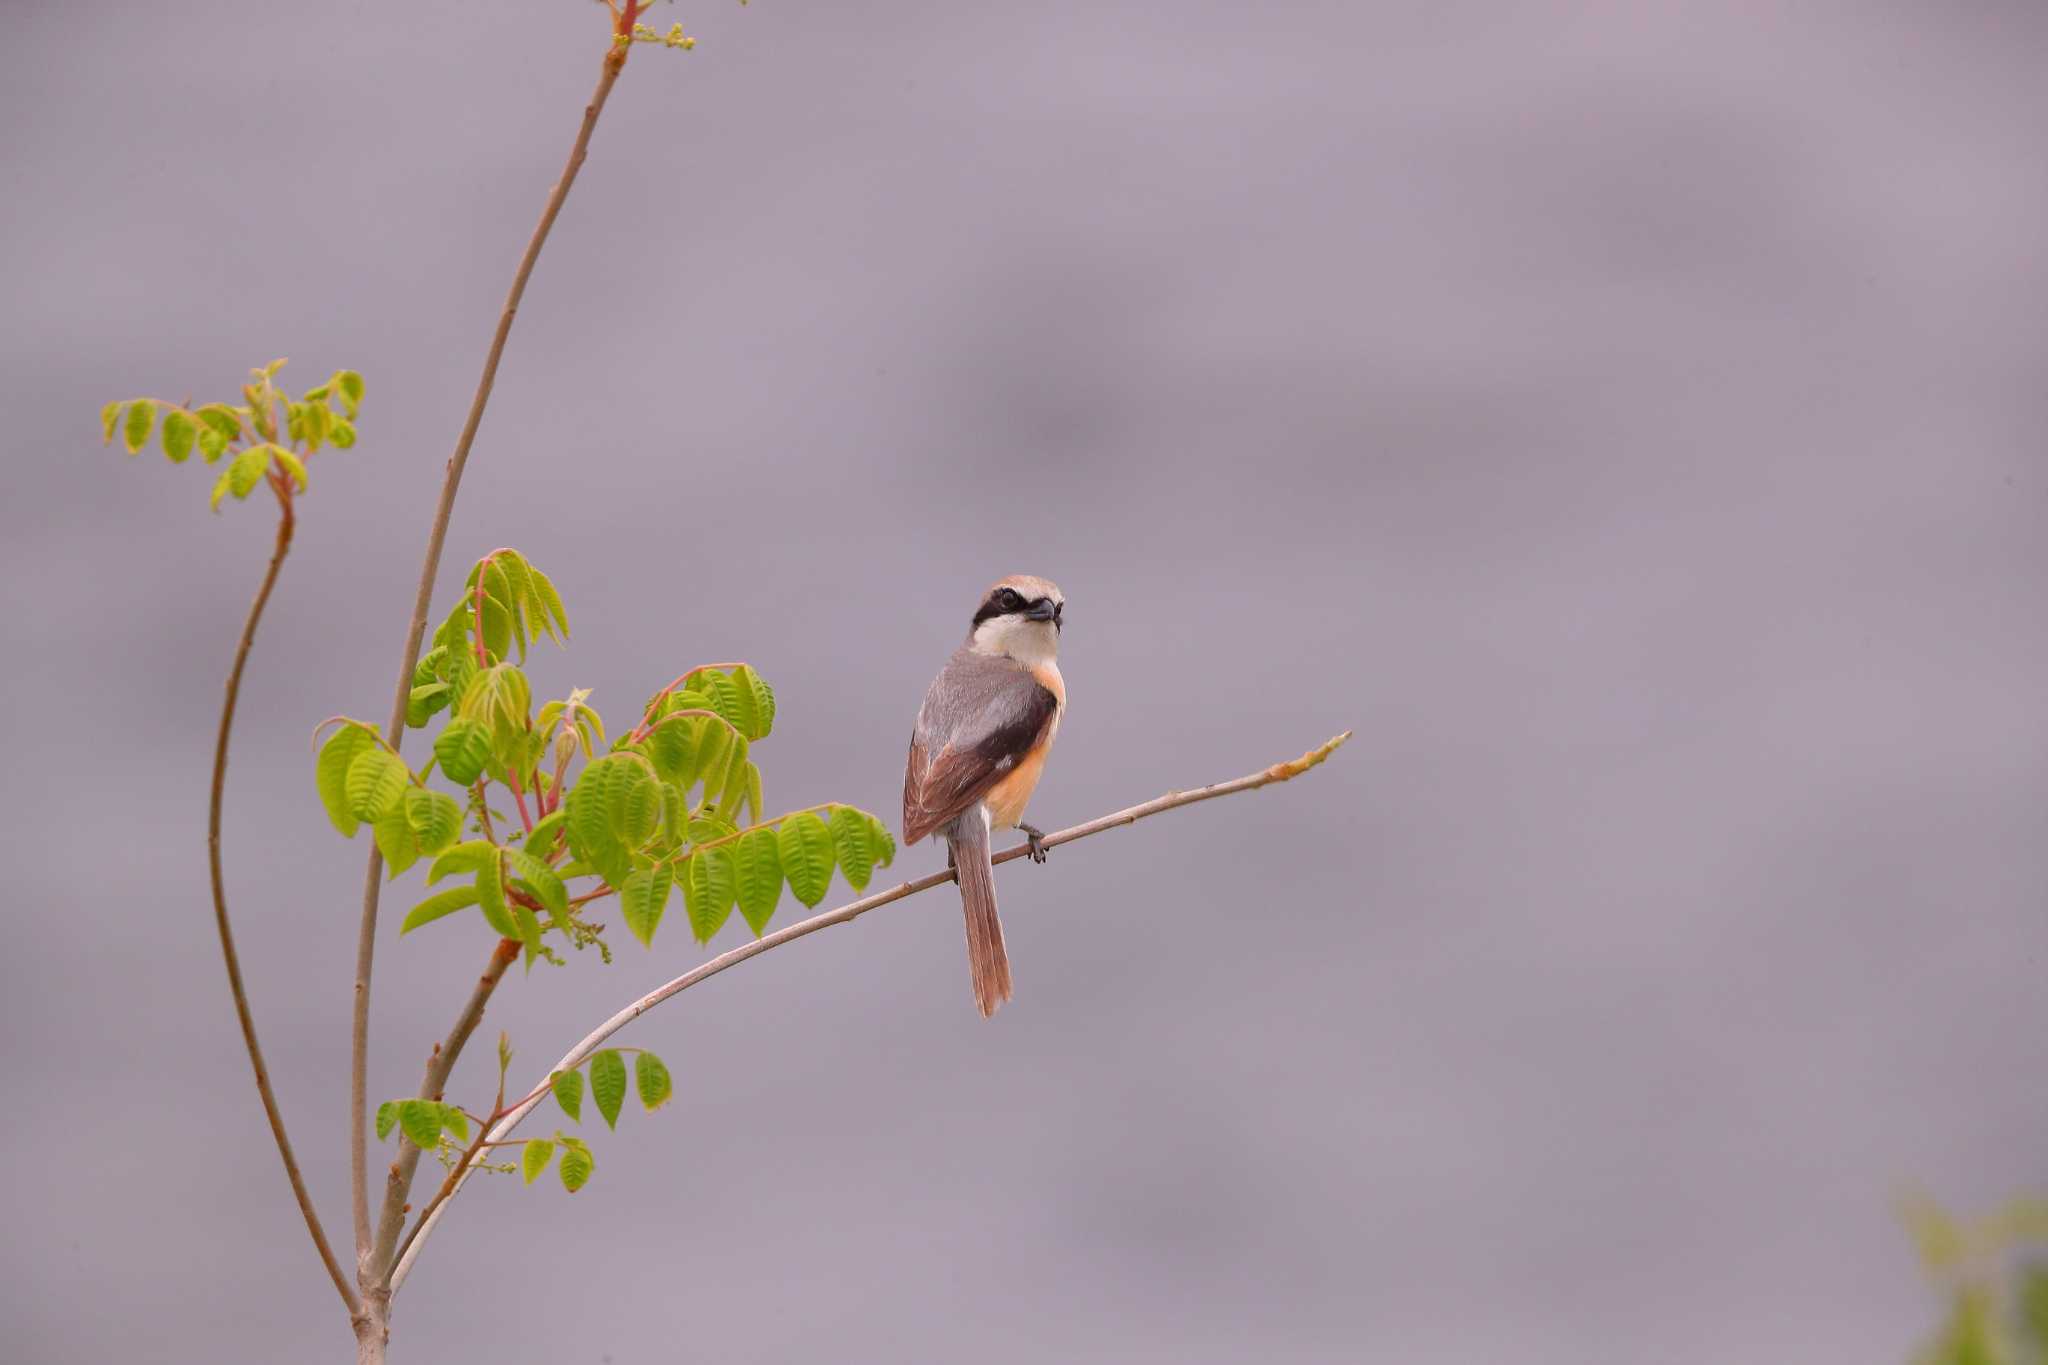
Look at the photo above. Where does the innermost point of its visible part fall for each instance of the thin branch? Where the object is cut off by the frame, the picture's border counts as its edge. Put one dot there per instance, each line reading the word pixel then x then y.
pixel 576 1056
pixel 286 521
pixel 437 535
pixel 391 1221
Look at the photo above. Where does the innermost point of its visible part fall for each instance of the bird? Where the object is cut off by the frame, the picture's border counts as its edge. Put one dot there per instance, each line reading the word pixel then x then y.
pixel 978 749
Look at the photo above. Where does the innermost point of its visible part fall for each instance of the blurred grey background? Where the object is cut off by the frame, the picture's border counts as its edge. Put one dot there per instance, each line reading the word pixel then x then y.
pixel 1628 417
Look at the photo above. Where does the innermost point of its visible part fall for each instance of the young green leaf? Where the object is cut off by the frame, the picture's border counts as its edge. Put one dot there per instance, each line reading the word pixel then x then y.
pixel 179 432
pixel 807 856
pixel 850 841
pixel 331 769
pixel 546 835
pixel 434 816
pixel 568 1088
pixel 592 836
pixel 463 748
pixel 490 898
pixel 755 701
pixel 421 1122
pixel 544 590
pixel 135 428
pixel 387 1119
pixel 349 385
pixel 469 856
pixel 455 1121
pixel 341 434
pixel 291 464
pixel 705 828
pixel 499 697
pixel 641 900
pixel 222 420
pixel 653 1080
pixel 709 885
pixel 575 1166
pixel 377 779
pixel 534 1158
pixel 438 905
pixel 542 883
pixel 608 1084
pixel 757 863
pixel 243 473
pixel 110 417
pixel 396 840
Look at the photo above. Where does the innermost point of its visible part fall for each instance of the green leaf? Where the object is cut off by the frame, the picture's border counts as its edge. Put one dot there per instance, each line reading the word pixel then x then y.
pixel 331 769
pixel 850 840
pixel 341 434
pixel 642 898
pixel 755 700
pixel 463 748
pixel 350 385
pixel 421 1122
pixel 490 898
pixel 396 840
pixel 500 698
pixel 464 857
pixel 592 837
pixel 179 432
pixel 709 884
pixel 704 829
pixel 608 1084
pixel 222 420
pixel 438 905
pixel 377 779
pixel 542 883
pixel 672 745
pixel 568 1088
pixel 575 1166
pixel 534 1158
pixel 552 600
pixel 455 1121
pixel 652 1077
pixel 807 856
pixel 757 862
pixel 387 1119
pixel 434 816
pixel 545 836
pixel 135 429
pixel 290 463
pixel 110 417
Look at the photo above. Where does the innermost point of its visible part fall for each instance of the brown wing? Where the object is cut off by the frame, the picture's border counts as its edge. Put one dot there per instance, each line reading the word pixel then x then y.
pixel 981 716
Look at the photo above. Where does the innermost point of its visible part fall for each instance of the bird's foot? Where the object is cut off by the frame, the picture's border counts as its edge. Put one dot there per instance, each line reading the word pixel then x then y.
pixel 1036 837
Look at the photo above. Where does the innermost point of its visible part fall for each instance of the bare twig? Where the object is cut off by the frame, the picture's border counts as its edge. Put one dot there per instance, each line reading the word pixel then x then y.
pixel 1279 772
pixel 285 525
pixel 366 939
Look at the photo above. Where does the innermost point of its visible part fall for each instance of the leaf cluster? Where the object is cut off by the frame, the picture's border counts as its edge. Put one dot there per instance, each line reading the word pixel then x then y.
pixel 267 436
pixel 1996 1278
pixel 674 804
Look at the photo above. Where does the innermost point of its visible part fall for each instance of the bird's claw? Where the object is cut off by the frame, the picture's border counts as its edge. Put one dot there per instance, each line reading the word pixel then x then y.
pixel 1037 842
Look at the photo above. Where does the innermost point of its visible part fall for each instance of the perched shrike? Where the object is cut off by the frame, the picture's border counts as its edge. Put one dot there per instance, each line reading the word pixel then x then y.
pixel 979 746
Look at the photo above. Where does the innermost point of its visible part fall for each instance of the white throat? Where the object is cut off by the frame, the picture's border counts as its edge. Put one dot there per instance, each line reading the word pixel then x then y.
pixel 1034 644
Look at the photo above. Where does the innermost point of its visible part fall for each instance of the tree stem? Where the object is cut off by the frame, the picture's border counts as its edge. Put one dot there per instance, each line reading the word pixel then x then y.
pixel 366 937
pixel 286 523
pixel 576 1056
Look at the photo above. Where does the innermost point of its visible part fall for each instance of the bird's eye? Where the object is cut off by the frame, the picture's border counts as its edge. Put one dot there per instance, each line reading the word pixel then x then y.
pixel 1008 600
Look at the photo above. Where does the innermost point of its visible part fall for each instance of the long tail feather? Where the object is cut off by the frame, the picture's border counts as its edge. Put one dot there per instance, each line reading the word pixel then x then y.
pixel 986 958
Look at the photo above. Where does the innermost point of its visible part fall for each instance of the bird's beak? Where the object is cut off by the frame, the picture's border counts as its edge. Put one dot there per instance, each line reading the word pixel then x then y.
pixel 1041 611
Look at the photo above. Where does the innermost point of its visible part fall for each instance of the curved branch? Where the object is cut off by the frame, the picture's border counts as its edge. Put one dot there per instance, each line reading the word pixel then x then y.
pixel 1279 772
pixel 437 535
pixel 285 525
